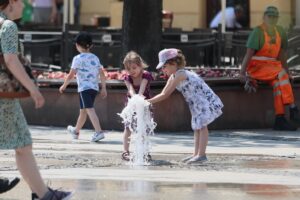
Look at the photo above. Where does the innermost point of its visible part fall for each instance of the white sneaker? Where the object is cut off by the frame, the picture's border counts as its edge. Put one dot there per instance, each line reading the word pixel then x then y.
pixel 57 195
pixel 98 136
pixel 72 131
pixel 187 158
pixel 197 159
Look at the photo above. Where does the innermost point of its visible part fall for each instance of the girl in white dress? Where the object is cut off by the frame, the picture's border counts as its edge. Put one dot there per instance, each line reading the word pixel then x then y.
pixel 205 106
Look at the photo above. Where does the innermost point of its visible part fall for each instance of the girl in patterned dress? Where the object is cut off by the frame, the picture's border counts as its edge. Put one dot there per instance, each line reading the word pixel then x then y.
pixel 14 131
pixel 205 106
pixel 137 81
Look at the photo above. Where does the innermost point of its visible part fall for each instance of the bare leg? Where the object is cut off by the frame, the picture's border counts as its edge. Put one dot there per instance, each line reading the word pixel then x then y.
pixel 94 119
pixel 28 169
pixel 196 141
pixel 203 140
pixel 126 139
pixel 81 120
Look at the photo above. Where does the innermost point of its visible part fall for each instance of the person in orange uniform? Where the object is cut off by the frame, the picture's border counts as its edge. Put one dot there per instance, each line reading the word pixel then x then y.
pixel 266 61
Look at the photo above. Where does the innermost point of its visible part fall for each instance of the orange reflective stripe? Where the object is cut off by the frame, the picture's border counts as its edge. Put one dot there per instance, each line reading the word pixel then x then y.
pixel 278 104
pixel 277 93
pixel 281 74
pixel 262 58
pixel 281 83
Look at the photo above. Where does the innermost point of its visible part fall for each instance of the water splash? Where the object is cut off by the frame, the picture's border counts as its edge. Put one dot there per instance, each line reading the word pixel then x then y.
pixel 138 118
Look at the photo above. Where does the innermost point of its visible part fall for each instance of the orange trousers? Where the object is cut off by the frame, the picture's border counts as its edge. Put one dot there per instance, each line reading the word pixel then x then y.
pixel 273 73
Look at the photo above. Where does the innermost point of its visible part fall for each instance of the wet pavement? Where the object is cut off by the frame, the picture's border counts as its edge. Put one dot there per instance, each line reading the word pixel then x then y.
pixel 245 164
pixel 147 190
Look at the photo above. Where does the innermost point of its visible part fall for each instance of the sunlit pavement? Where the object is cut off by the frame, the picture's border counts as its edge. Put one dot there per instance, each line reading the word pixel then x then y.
pixel 244 164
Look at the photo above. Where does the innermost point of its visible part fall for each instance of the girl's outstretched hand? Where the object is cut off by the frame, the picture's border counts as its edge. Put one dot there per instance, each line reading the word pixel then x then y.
pixel 62 89
pixel 142 96
pixel 149 100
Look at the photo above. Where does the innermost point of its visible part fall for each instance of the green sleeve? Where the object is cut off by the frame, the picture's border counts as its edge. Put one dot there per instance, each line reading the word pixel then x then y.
pixel 284 38
pixel 255 39
pixel 9 38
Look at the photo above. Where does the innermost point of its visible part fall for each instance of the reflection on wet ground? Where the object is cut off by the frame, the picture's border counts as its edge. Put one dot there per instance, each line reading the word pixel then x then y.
pixel 238 168
pixel 272 164
pixel 145 190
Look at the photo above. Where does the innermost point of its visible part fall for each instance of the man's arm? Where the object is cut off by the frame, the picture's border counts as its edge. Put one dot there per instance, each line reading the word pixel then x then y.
pixel 253 44
pixel 282 57
pixel 246 60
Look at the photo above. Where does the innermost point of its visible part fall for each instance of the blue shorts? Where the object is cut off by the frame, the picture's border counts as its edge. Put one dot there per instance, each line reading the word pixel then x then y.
pixel 87 98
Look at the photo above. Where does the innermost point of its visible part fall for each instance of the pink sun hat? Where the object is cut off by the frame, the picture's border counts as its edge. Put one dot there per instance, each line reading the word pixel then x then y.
pixel 165 55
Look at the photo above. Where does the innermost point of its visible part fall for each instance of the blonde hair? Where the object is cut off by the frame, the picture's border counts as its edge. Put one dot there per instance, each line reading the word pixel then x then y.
pixel 179 60
pixel 133 57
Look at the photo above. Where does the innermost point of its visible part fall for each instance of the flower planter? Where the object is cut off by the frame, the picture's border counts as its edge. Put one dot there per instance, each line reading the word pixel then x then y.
pixel 241 110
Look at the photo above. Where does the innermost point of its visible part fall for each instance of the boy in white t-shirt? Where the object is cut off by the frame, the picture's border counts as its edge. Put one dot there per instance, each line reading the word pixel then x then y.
pixel 87 68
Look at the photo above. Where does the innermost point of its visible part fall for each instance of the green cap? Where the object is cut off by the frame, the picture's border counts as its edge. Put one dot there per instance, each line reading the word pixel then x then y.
pixel 271 11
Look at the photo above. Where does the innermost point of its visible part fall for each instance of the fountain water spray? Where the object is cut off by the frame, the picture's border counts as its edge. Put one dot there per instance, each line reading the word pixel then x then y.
pixel 138 118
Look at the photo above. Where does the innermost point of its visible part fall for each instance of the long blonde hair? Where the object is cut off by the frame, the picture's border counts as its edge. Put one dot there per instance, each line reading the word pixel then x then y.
pixel 133 57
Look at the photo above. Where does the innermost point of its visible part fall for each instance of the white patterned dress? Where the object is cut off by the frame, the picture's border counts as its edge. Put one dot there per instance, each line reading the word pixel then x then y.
pixel 205 106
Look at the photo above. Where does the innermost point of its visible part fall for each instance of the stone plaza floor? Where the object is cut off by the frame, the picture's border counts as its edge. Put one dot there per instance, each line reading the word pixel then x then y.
pixel 242 164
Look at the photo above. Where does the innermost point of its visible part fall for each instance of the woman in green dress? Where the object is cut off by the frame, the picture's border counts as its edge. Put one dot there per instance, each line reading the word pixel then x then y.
pixel 14 132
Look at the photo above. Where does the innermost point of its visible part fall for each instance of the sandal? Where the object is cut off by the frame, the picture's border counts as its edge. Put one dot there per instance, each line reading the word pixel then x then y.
pixel 126 156
pixel 148 158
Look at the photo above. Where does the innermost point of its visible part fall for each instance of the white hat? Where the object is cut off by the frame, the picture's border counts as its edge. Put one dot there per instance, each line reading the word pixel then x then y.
pixel 165 55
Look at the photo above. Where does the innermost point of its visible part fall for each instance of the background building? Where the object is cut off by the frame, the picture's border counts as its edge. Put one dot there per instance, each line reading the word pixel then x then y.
pixel 190 14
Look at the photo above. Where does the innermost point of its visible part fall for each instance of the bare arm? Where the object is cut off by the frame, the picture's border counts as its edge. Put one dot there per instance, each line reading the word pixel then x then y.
pixel 143 86
pixel 168 89
pixel 69 77
pixel 15 67
pixel 129 88
pixel 282 57
pixel 103 83
pixel 246 60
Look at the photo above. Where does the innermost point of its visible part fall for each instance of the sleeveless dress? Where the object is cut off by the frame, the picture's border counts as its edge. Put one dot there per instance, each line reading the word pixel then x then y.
pixel 205 106
pixel 14 132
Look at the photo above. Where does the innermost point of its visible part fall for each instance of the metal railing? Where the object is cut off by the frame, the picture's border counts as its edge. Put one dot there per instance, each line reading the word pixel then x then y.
pixel 205 47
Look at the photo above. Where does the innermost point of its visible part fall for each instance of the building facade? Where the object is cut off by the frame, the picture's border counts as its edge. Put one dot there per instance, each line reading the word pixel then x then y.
pixel 189 14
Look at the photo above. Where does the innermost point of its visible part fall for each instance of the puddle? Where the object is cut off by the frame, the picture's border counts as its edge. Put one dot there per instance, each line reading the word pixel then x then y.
pixel 136 190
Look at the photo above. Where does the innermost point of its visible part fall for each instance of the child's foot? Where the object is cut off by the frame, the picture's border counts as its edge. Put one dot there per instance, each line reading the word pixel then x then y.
pixel 197 159
pixel 98 136
pixel 148 158
pixel 73 132
pixel 57 195
pixel 187 158
pixel 125 156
